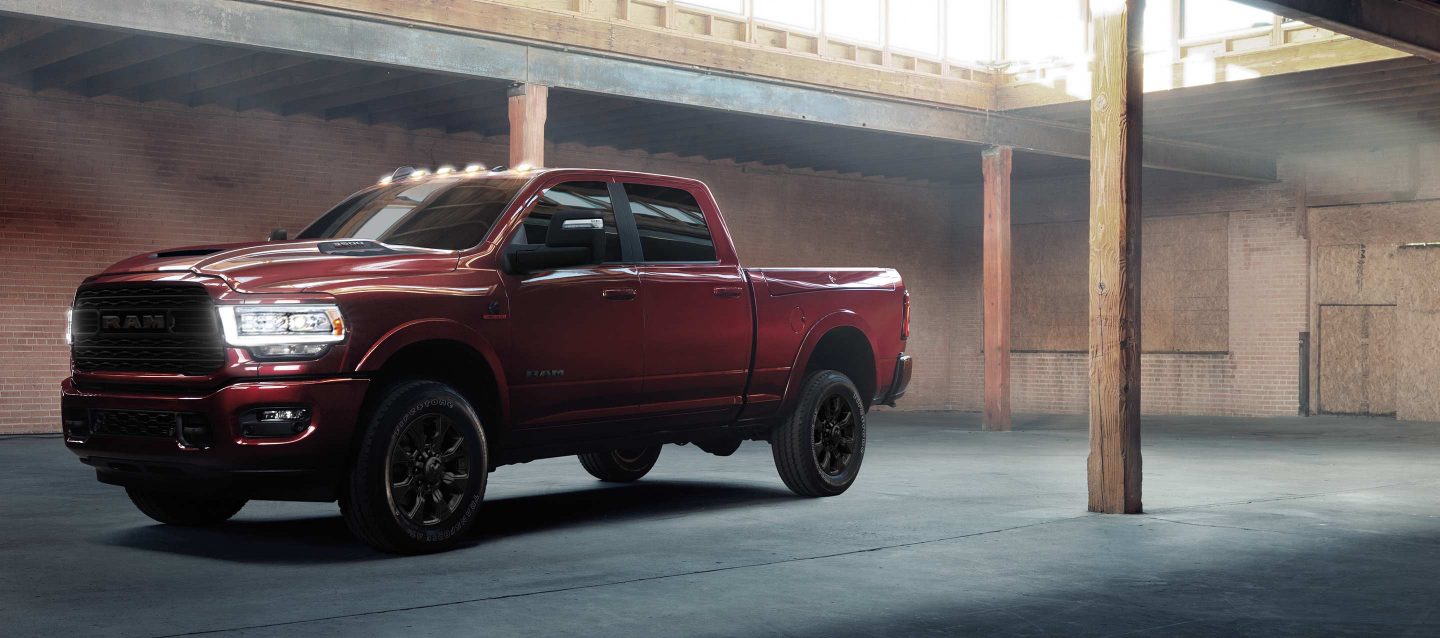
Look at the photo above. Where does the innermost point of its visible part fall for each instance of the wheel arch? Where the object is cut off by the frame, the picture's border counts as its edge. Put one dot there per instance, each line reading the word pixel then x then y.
pixel 444 351
pixel 839 341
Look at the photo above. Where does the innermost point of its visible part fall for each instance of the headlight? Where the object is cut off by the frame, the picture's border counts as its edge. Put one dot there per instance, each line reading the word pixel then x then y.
pixel 283 330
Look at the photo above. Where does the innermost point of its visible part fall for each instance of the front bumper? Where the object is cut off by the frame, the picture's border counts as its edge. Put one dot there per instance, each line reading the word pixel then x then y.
pixel 302 466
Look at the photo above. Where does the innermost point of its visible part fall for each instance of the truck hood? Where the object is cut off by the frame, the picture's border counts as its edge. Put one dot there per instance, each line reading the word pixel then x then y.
pixel 290 267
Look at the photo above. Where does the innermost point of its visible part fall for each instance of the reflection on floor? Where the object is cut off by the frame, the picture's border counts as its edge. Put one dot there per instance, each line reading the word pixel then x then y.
pixel 1276 526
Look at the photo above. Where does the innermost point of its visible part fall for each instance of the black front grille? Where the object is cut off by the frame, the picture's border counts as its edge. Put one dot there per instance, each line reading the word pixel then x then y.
pixel 133 423
pixel 164 328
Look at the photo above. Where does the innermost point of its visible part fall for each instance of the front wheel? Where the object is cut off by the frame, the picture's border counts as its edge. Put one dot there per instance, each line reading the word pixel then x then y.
pixel 620 466
pixel 419 474
pixel 818 449
pixel 189 510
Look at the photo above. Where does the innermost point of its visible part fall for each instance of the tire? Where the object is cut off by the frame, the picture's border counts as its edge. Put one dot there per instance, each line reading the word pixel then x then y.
pixel 620 466
pixel 419 471
pixel 188 510
pixel 817 452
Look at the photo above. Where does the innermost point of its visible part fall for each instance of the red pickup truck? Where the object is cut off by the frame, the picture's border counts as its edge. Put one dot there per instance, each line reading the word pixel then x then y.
pixel 437 325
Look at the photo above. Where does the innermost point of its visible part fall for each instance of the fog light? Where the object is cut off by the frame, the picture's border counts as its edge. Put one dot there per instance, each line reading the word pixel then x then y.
pixel 288 350
pixel 274 422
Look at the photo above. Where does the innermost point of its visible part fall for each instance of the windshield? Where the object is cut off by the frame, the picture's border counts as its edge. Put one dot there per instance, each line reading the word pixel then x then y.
pixel 448 214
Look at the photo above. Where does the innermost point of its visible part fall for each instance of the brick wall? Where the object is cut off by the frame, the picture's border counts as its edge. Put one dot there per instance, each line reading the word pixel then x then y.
pixel 1257 374
pixel 90 182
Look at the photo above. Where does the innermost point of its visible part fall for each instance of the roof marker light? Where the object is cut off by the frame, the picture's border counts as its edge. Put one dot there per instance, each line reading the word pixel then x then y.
pixel 419 173
pixel 521 168
pixel 474 168
pixel 444 170
pixel 386 179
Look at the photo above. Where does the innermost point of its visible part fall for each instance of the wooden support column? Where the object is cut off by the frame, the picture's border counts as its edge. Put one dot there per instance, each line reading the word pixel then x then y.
pixel 527 124
pixel 1115 134
pixel 995 162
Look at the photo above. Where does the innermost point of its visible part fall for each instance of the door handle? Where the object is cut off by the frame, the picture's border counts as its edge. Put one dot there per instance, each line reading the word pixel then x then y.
pixel 728 292
pixel 619 294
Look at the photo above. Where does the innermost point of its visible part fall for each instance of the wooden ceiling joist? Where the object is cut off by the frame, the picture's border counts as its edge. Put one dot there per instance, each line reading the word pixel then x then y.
pixel 1412 26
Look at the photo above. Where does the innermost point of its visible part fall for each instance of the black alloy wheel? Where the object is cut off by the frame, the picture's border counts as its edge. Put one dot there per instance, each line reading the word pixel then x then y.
pixel 818 449
pixel 429 470
pixel 834 434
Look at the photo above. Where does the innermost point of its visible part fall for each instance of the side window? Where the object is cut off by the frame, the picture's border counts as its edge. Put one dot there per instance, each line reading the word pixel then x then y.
pixel 671 224
pixel 571 196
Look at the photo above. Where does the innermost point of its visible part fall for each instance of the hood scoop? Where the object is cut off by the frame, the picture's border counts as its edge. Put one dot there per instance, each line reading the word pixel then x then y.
pixel 355 247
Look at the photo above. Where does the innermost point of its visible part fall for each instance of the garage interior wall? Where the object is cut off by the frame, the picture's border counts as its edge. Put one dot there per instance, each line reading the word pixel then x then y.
pixel 89 182
pixel 1227 287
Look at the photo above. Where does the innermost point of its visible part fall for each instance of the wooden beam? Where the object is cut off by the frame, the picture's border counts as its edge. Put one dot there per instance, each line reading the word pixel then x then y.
pixel 1254 64
pixel 444 46
pixel 1412 26
pixel 1115 161
pixel 187 87
pixel 114 57
pixel 995 164
pixel 527 124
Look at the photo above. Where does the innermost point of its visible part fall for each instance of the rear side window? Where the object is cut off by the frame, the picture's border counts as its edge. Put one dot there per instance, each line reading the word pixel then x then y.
pixel 671 224
pixel 572 196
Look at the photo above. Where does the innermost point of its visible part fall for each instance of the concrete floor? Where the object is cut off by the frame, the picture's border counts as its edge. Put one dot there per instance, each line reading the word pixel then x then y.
pixel 1303 527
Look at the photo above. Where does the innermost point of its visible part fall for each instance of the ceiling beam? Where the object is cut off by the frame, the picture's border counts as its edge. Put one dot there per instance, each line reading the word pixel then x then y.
pixel 1412 26
pixel 354 37
pixel 181 88
pixel 103 60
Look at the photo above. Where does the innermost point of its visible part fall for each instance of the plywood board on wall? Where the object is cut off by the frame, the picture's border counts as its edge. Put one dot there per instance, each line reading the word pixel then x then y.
pixel 1417 391
pixel 1354 274
pixel 1184 292
pixel 1357 359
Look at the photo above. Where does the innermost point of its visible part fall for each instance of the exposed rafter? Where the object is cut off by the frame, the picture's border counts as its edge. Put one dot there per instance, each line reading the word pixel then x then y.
pixel 1408 25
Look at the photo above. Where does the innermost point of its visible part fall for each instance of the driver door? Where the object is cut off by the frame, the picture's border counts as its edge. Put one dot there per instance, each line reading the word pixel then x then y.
pixel 577 331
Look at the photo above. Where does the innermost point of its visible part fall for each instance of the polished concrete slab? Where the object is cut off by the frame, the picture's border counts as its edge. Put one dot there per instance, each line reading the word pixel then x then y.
pixel 1294 527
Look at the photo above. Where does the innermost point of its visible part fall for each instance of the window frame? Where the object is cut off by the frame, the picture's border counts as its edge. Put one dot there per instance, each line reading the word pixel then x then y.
pixel 635 230
pixel 624 224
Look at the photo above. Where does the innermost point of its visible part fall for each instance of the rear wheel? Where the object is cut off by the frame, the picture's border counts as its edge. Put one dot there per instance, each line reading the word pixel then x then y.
pixel 620 466
pixel 190 510
pixel 419 474
pixel 818 449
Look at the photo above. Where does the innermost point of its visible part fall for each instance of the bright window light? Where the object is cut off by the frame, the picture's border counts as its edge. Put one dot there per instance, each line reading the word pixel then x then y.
pixel 1037 30
pixel 1159 31
pixel 853 20
pixel 728 6
pixel 915 26
pixel 793 13
pixel 1212 17
pixel 967 30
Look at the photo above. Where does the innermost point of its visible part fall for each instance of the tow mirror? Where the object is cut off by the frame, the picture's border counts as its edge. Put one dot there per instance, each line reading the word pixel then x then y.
pixel 279 234
pixel 574 238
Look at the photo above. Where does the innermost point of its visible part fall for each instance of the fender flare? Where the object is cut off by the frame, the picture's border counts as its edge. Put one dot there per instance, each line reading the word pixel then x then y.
pixel 420 330
pixel 817 331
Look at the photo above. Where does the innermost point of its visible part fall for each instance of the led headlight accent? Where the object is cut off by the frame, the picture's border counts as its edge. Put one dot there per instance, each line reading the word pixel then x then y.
pixel 281 324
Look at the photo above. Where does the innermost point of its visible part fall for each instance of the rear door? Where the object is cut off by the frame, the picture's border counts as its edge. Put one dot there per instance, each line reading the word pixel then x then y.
pixel 697 307
pixel 577 349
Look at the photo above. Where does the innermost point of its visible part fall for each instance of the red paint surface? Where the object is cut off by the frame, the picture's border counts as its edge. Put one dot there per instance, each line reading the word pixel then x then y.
pixel 675 354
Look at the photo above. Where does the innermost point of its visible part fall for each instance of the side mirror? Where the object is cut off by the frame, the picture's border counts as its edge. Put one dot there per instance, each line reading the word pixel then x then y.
pixel 577 229
pixel 279 234
pixel 574 238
